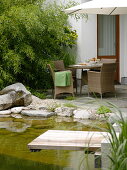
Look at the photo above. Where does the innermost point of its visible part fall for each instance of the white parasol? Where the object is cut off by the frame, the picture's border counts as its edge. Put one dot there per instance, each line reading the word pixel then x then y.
pixel 106 7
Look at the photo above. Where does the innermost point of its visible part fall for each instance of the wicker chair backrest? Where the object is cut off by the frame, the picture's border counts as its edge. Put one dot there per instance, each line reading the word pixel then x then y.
pixel 59 65
pixel 108 73
pixel 108 67
pixel 105 60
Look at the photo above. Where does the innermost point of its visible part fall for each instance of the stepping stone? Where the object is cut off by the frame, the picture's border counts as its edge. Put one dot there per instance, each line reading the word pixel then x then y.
pixel 16 109
pixel 41 113
pixel 4 116
pixel 5 112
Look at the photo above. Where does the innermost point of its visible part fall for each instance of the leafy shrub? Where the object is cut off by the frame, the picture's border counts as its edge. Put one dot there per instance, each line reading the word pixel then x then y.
pixel 103 109
pixel 31 35
pixel 39 95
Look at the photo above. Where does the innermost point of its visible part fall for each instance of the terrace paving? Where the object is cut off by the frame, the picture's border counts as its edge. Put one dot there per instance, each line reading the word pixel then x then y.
pixel 120 100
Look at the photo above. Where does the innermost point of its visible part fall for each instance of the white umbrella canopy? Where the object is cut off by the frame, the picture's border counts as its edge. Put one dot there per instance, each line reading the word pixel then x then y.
pixel 106 7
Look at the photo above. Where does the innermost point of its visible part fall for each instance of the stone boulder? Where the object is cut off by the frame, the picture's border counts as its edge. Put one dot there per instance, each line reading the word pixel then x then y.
pixel 64 111
pixel 6 100
pixel 14 95
pixel 82 114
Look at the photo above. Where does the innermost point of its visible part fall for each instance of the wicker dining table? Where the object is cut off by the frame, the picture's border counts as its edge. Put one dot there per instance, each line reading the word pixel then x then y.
pixel 84 67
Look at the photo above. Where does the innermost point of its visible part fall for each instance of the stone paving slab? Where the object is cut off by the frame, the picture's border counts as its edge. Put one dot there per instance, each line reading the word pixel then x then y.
pixel 84 101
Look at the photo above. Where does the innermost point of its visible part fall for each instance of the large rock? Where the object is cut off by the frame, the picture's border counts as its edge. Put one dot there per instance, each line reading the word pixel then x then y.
pixel 82 114
pixel 6 100
pixel 14 95
pixel 64 111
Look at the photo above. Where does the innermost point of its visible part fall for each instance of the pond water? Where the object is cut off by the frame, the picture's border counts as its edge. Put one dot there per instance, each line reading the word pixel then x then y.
pixel 15 134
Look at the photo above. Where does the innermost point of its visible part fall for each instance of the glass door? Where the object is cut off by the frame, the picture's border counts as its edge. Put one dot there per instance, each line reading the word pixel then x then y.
pixel 108 38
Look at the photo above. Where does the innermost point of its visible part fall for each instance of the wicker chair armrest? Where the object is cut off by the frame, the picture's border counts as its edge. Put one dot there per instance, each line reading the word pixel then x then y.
pixel 93 73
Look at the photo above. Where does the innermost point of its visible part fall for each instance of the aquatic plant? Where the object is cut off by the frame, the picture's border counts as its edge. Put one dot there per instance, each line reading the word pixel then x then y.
pixel 103 109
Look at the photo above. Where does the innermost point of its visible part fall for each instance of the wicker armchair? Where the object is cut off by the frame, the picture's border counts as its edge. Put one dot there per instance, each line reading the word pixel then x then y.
pixel 59 66
pixel 103 81
pixel 57 89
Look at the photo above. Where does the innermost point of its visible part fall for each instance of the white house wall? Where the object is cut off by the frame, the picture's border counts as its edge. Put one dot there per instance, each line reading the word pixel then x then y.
pixel 88 43
pixel 123 46
pixel 87 36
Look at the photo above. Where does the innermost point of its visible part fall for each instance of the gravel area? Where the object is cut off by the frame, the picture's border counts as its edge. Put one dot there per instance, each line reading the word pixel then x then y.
pixel 38 103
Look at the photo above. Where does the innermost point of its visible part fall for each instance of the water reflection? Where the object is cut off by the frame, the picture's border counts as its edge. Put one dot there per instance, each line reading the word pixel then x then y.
pixel 81 161
pixel 13 163
pixel 15 134
pixel 15 126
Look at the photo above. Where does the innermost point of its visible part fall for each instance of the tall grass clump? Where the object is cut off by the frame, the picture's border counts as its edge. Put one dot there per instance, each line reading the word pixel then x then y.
pixel 118 142
pixel 117 139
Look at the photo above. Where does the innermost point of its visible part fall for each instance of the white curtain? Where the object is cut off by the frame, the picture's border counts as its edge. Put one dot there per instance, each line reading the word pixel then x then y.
pixel 106 35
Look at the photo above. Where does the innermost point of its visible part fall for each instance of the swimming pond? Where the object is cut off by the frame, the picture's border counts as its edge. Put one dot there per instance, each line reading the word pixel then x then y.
pixel 15 134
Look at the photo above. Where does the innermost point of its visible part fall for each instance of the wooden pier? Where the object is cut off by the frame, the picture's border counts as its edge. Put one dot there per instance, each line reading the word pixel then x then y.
pixel 68 140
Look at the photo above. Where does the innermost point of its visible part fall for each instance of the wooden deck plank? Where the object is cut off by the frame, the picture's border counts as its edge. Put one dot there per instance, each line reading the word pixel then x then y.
pixel 68 140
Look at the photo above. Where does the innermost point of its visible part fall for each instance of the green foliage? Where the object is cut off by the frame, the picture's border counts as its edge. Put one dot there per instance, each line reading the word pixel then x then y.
pixel 31 35
pixel 103 109
pixel 40 95
pixel 70 98
pixel 70 105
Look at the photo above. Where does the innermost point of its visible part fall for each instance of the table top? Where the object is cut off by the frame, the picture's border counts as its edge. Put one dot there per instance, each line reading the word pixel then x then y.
pixel 86 66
